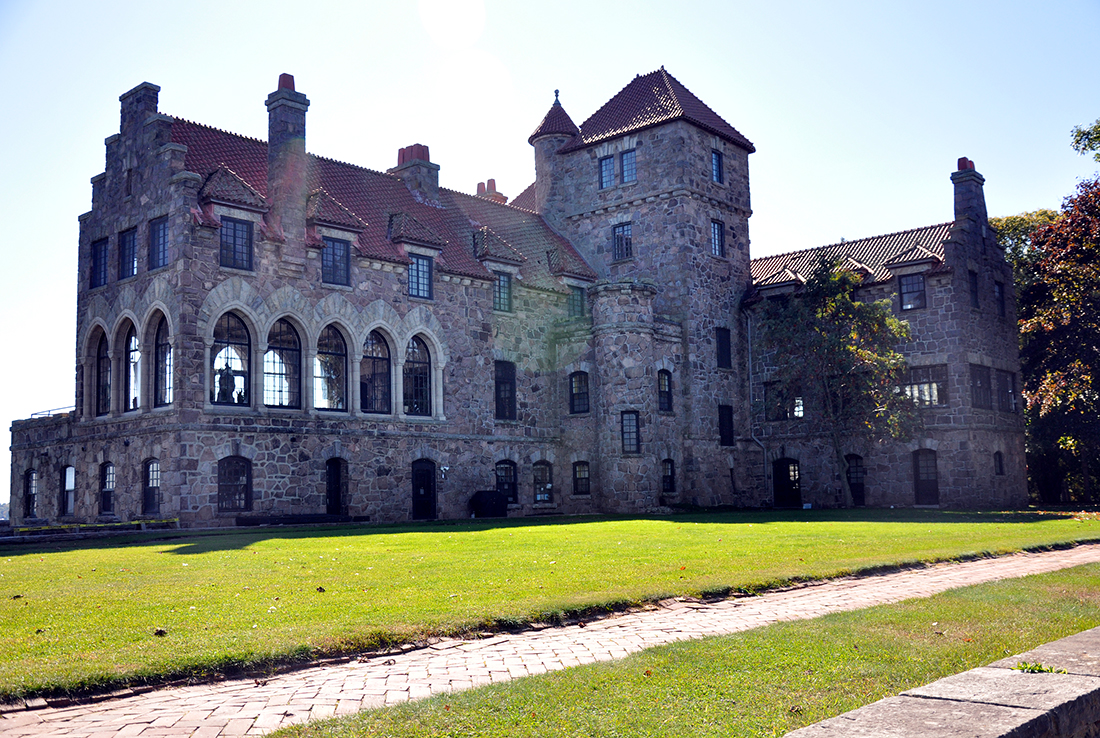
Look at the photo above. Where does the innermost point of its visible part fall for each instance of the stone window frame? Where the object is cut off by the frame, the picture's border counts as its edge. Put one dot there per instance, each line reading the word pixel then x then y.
pixel 504 390
pixel 127 254
pixel 243 349
pixel 102 400
pixel 668 477
pixel 622 241
pixel 582 479
pixel 235 492
pixel 372 367
pixel 282 364
pixel 577 302
pixel 508 483
pixel 981 390
pixel 150 486
pixel 417 381
pixel 912 291
pixel 628 162
pixel 605 172
pixel 725 425
pixel 664 391
pixel 332 347
pixel 335 261
pixel 163 386
pixel 502 292
pixel 718 238
pixel 630 431
pixel 131 378
pixel 97 269
pixel 579 397
pixel 717 170
pixel 107 481
pixel 158 243
pixel 236 248
pixel 420 276
pixel 927 385
pixel 66 501
pixel 542 473
pixel 30 493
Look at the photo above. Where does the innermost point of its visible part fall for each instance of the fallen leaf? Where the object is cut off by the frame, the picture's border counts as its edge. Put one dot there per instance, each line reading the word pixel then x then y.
pixel 160 632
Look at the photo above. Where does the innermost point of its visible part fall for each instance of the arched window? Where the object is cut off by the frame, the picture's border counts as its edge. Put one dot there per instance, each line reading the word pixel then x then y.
pixel 231 361
pixel 544 481
pixel 102 378
pixel 234 484
pixel 582 482
pixel 162 371
pixel 106 488
pixel 506 480
pixel 132 392
pixel 67 504
pixel 578 392
pixel 664 391
pixel 330 371
pixel 668 477
pixel 283 367
pixel 374 375
pixel 417 378
pixel 30 493
pixel 150 487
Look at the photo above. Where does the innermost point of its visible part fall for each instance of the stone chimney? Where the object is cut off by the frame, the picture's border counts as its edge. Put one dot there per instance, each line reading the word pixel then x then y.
pixel 138 104
pixel 490 193
pixel 969 195
pixel 286 158
pixel 415 168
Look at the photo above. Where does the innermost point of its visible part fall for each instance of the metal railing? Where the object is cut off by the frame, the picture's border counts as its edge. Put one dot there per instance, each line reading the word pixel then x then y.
pixel 53 411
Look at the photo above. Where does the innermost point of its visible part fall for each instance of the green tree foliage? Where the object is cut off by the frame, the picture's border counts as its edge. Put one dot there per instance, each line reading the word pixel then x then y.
pixel 1087 138
pixel 1014 234
pixel 841 357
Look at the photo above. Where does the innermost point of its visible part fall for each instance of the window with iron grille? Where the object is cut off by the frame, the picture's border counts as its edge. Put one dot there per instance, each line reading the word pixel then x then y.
pixel 578 297
pixel 1006 391
pixel 718 238
pixel 927 385
pixel 162 372
pixel 998 463
pixel 502 292
pixel 622 246
pixel 725 425
pixel 578 392
pixel 973 275
pixel 30 493
pixel 158 243
pixel 150 488
pixel 506 481
pixel 98 276
pixel 420 276
pixel 630 167
pixel 999 298
pixel 505 385
pixel 911 287
pixel 330 371
pixel 417 378
pixel 230 362
pixel 103 378
pixel 283 366
pixel 335 261
pixel 632 443
pixel 722 343
pixel 234 484
pixel 106 488
pixel 374 375
pixel 668 477
pixel 67 503
pixel 131 393
pixel 607 172
pixel 582 482
pixel 236 244
pixel 716 173
pixel 543 474
pixel 981 390
pixel 127 254
pixel 664 391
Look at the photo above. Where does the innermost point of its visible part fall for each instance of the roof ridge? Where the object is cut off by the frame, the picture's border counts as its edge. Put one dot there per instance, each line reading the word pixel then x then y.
pixel 854 240
pixel 219 130
pixel 486 200
pixel 360 167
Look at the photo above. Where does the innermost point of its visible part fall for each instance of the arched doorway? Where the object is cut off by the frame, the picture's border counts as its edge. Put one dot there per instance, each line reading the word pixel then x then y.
pixel 787 483
pixel 423 489
pixel 856 474
pixel 336 486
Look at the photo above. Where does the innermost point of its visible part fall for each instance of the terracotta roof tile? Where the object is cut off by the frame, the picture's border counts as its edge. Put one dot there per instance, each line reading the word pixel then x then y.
pixel 488 245
pixel 525 199
pixel 404 228
pixel 324 208
pixel 556 121
pixel 223 185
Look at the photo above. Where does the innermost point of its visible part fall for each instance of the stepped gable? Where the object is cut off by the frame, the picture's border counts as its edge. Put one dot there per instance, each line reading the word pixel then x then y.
pixel 651 100
pixel 555 122
pixel 869 254
pixel 525 199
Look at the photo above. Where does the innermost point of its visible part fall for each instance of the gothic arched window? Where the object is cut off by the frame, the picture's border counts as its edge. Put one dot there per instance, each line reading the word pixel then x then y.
pixel 283 367
pixel 417 378
pixel 230 362
pixel 374 375
pixel 330 371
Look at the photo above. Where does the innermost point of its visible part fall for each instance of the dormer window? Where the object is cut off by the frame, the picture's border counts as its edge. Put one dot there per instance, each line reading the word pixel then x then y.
pixel 911 287
pixel 420 276
pixel 335 255
pixel 236 246
pixel 502 292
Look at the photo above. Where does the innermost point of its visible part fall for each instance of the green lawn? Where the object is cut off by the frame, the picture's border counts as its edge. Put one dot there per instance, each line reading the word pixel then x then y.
pixel 763 682
pixel 75 618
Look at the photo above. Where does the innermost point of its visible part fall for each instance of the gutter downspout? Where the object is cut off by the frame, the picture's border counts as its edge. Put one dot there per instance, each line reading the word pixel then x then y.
pixel 752 428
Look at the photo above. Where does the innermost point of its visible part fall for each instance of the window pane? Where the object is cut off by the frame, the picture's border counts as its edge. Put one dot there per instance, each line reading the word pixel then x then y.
pixel 374 375
pixel 335 257
pixel 420 276
pixel 578 392
pixel 607 172
pixel 725 356
pixel 282 367
pixel 577 300
pixel 236 243
pixel 718 238
pixel 133 371
pixel 631 442
pixel 98 276
pixel 162 380
pixel 622 246
pixel 716 174
pixel 502 292
pixel 912 291
pixel 630 172
pixel 330 371
pixel 103 378
pixel 417 379
pixel 505 385
pixel 230 362
pixel 127 254
pixel 158 243
pixel 581 480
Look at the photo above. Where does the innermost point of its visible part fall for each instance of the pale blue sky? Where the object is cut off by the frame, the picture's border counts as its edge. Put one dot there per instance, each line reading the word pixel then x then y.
pixel 859 110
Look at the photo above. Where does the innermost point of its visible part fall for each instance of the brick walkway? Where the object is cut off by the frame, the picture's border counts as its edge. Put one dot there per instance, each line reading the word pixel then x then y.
pixel 246 707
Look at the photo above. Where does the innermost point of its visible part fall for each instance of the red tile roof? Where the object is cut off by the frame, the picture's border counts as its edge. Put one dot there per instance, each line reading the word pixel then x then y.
pixel 556 121
pixel 525 199
pixel 870 254
pixel 651 100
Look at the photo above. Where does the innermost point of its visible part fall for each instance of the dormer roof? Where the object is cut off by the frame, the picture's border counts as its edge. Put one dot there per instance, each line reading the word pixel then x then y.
pixel 225 186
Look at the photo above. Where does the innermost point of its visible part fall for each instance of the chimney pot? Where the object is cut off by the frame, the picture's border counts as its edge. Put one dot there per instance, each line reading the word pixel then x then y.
pixel 492 185
pixel 481 188
pixel 286 81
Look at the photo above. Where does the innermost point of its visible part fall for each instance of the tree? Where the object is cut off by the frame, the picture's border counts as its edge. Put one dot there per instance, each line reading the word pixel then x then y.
pixel 1060 325
pixel 842 359
pixel 1014 234
pixel 1087 139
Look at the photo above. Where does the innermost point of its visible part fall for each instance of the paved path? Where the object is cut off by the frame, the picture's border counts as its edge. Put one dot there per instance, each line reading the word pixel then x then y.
pixel 246 707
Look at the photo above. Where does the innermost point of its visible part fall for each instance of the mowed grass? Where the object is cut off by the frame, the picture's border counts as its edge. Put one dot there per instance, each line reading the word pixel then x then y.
pixel 763 682
pixel 76 618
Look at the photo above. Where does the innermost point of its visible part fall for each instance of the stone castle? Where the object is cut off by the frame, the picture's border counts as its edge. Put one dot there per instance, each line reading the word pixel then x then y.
pixel 267 335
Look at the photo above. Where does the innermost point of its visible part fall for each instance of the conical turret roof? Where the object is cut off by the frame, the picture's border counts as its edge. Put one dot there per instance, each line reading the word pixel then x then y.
pixel 556 123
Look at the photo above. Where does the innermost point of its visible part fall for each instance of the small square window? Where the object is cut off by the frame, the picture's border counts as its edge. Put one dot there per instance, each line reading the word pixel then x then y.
pixel 335 258
pixel 578 297
pixel 607 172
pixel 630 168
pixel 236 245
pixel 420 276
pixel 622 246
pixel 718 238
pixel 98 276
pixel 632 443
pixel 158 243
pixel 912 291
pixel 716 173
pixel 502 292
pixel 127 254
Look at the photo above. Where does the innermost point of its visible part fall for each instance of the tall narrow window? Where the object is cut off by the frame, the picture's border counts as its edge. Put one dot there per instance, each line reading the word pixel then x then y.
pixel 335 258
pixel 67 503
pixel 230 362
pixel 102 378
pixel 926 484
pixel 502 292
pixel 632 443
pixel 150 493
pixel 330 371
pixel 630 166
pixel 417 378
pixel 722 344
pixel 543 474
pixel 582 482
pixel 998 463
pixel 622 246
pixel 718 238
pixel 127 254
pixel 506 481
pixel 420 276
pixel 236 244
pixel 664 391
pixel 162 373
pixel 607 172
pixel 158 243
pixel 106 488
pixel 504 381
pixel 132 393
pixel 911 287
pixel 30 494
pixel 999 298
pixel 283 366
pixel 578 297
pixel 716 173
pixel 668 477
pixel 981 392
pixel 725 425
pixel 234 484
pixel 98 276
pixel 1006 392
pixel 973 276
pixel 374 375
pixel 578 392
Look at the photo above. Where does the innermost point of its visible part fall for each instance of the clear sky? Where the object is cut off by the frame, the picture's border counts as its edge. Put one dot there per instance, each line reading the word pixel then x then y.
pixel 858 110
